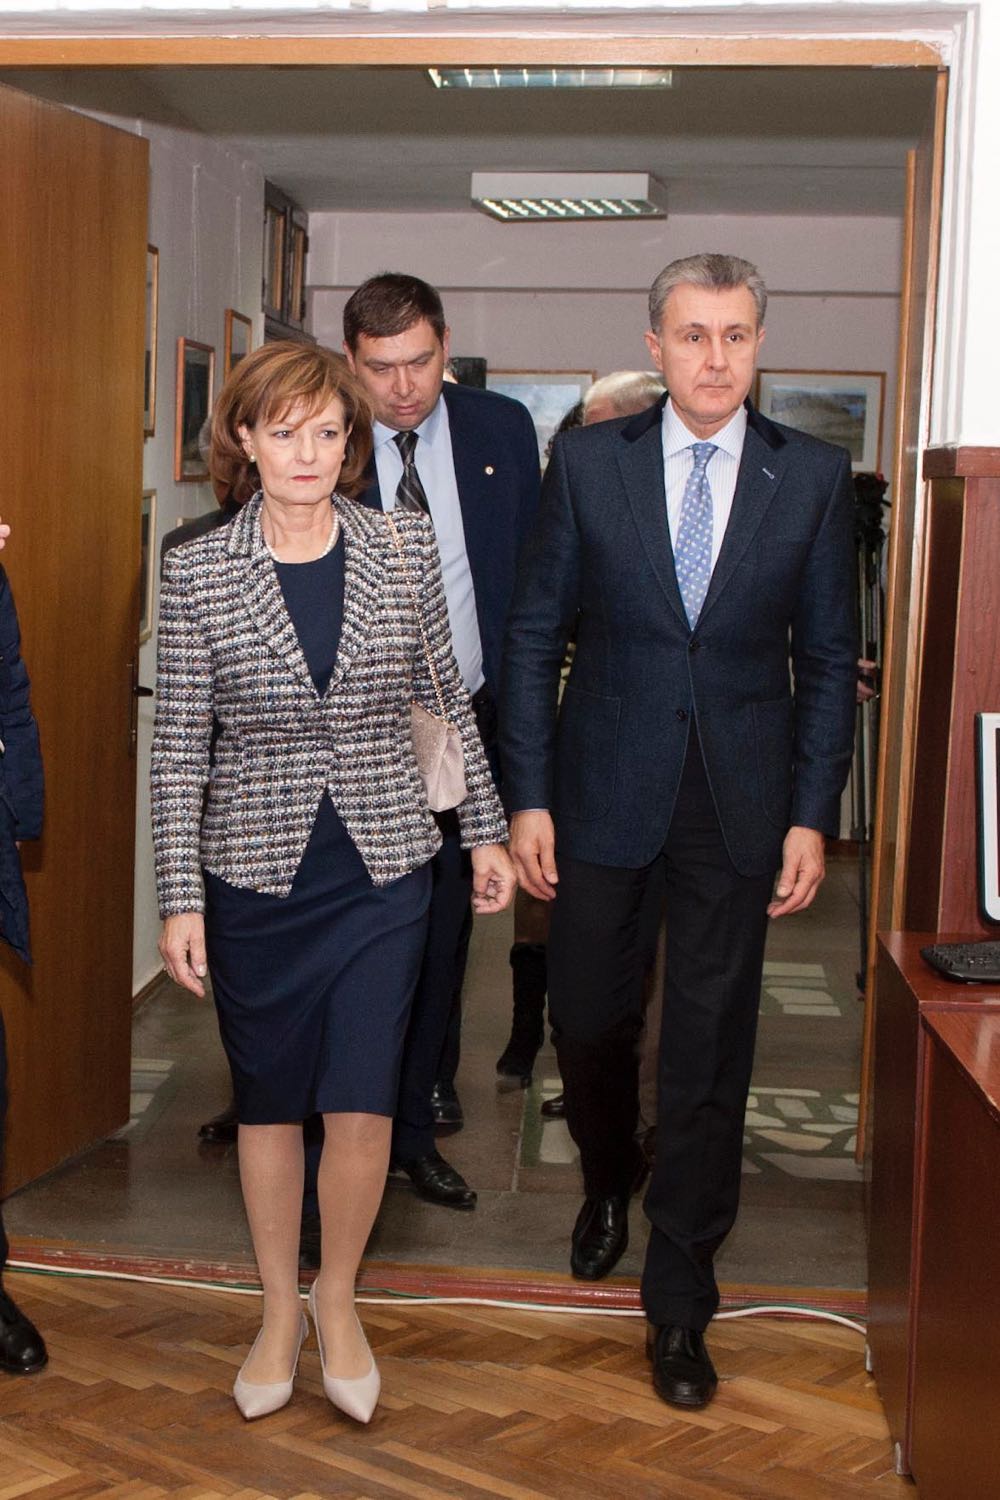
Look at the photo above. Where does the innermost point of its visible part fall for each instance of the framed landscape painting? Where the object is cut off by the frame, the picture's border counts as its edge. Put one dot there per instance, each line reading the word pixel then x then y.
pixel 195 380
pixel 841 406
pixel 238 340
pixel 548 395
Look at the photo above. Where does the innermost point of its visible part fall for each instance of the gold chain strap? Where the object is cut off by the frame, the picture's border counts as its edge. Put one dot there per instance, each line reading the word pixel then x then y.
pixel 419 613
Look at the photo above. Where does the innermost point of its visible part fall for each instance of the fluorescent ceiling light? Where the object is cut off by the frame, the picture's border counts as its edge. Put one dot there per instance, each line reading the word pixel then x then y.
pixel 548 197
pixel 551 78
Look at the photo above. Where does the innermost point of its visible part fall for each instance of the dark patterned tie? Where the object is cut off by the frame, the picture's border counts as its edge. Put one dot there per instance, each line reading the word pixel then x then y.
pixel 409 492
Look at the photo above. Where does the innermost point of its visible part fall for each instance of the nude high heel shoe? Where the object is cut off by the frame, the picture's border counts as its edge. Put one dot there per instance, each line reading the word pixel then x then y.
pixel 257 1400
pixel 358 1397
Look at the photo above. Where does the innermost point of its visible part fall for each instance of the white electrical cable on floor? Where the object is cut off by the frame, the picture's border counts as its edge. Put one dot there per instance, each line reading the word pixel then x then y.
pixel 416 1299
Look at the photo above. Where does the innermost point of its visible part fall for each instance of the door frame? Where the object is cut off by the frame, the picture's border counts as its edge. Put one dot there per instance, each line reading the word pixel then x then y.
pixel 564 43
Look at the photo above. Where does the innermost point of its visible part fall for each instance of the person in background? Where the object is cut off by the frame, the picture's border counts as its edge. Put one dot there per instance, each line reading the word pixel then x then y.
pixel 305 629
pixel 468 459
pixel 623 393
pixel 695 547
pixel 22 1348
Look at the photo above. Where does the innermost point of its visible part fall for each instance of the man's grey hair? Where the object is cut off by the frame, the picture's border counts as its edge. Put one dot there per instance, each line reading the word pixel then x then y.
pixel 719 273
pixel 628 391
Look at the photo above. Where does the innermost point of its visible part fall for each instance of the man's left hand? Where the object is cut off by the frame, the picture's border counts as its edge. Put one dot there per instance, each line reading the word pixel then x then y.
pixel 803 865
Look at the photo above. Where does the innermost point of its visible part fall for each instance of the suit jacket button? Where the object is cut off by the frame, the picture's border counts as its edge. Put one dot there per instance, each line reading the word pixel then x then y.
pixel 681 714
pixel 694 645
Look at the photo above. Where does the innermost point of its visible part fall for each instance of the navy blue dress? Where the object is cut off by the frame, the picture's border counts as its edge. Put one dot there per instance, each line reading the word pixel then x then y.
pixel 313 989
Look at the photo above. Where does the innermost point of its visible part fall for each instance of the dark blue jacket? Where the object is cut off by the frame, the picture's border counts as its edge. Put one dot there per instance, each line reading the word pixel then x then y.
pixel 609 765
pixel 21 782
pixel 495 451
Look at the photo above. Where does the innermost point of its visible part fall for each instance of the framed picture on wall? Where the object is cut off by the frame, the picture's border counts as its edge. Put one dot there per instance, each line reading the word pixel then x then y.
pixel 841 406
pixel 274 258
pixel 195 381
pixel 149 367
pixel 297 274
pixel 238 342
pixel 147 543
pixel 548 395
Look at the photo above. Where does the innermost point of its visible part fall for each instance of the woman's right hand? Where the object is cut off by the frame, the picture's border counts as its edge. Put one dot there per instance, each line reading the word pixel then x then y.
pixel 182 948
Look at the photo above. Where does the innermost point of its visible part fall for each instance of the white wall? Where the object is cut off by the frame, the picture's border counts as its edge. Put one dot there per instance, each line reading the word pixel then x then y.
pixel 206 214
pixel 573 297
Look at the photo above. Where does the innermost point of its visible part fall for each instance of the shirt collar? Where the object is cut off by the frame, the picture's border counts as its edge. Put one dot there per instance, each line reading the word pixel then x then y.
pixel 428 430
pixel 677 437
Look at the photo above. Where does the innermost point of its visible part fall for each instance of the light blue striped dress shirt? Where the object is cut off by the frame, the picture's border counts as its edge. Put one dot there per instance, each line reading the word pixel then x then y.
pixel 436 466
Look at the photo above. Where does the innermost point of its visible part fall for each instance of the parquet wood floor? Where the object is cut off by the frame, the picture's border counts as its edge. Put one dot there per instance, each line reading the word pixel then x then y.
pixel 477 1402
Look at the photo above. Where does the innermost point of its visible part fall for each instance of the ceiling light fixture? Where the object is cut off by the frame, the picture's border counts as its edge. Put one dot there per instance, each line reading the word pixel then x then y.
pixel 549 197
pixel 551 78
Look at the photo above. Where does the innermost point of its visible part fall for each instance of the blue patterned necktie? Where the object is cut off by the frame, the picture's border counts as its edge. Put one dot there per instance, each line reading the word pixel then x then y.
pixel 693 548
pixel 409 492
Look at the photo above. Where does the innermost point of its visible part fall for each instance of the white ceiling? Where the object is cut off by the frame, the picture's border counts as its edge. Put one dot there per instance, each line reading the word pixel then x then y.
pixel 735 141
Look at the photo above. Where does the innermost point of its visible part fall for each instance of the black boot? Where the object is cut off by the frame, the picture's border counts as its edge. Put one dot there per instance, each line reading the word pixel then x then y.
pixel 527 1032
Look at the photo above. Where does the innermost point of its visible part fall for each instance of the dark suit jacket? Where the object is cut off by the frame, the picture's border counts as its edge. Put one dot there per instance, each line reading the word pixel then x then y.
pixel 496 466
pixel 610 765
pixel 21 781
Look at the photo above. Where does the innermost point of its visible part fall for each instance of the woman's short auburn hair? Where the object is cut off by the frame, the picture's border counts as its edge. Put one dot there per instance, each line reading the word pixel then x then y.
pixel 265 387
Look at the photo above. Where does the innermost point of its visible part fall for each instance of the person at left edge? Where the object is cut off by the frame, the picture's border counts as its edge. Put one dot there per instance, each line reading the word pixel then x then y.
pixel 22 1348
pixel 470 459
pixel 300 881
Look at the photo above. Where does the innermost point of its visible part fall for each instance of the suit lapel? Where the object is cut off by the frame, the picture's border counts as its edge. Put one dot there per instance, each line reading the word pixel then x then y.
pixel 640 460
pixel 264 600
pixel 364 574
pixel 364 569
pixel 761 471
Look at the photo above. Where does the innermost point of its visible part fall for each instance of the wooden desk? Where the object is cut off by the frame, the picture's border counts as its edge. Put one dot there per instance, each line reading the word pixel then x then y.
pixel 955 1435
pixel 908 990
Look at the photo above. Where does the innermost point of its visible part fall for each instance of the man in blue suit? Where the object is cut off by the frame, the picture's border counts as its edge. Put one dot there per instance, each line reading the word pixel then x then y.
pixel 701 550
pixel 469 458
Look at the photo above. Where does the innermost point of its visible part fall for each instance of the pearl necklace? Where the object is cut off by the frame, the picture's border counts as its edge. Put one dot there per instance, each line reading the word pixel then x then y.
pixel 331 542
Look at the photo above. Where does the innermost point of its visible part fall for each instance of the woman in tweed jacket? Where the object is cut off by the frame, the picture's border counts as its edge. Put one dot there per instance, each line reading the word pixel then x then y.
pixel 291 829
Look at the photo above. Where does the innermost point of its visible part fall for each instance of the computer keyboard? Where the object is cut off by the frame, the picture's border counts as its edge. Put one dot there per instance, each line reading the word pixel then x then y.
pixel 966 962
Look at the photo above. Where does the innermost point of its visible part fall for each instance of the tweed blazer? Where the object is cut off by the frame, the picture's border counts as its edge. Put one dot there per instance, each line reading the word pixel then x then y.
pixel 228 649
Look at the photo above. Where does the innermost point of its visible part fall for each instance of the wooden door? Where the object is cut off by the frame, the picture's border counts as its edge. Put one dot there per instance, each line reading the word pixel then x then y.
pixel 73 204
pixel 901 647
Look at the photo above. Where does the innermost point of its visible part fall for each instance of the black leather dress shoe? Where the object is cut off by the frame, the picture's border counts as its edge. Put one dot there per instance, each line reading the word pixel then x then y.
pixel 600 1234
pixel 600 1237
pixel 22 1348
pixel 221 1129
pixel 554 1108
pixel 683 1373
pixel 446 1108
pixel 438 1182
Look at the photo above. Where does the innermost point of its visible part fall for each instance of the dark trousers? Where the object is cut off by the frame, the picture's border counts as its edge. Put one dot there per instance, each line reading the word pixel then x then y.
pixel 437 994
pixel 716 929
pixel 4 1246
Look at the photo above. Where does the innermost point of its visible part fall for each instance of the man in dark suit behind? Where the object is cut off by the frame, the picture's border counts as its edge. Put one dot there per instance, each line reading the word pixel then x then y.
pixel 697 546
pixel 470 459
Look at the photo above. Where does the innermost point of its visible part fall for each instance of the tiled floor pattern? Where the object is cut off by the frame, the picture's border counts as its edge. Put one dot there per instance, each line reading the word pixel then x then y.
pixel 154 1188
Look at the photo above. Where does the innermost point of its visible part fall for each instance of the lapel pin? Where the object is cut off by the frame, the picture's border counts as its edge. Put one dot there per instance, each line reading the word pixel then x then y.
pixel 767 472
pixel 488 469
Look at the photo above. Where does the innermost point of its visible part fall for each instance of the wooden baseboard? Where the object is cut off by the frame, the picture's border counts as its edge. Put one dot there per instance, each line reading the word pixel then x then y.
pixel 149 988
pixel 394 1278
pixel 843 848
